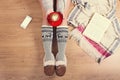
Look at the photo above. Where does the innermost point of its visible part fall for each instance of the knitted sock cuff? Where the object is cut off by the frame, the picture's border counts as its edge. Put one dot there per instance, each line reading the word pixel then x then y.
pixel 62 34
pixel 47 33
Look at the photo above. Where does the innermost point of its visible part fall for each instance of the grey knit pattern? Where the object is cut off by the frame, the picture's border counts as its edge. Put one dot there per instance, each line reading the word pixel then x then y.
pixel 62 34
pixel 47 33
pixel 47 36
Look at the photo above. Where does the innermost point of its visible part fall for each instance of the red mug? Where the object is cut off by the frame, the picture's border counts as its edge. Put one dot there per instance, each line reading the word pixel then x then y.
pixel 55 19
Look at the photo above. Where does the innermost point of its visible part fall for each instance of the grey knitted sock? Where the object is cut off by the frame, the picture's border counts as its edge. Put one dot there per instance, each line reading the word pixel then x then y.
pixel 47 36
pixel 62 35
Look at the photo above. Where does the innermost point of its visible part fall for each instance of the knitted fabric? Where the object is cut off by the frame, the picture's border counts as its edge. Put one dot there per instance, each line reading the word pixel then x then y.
pixel 84 10
pixel 47 36
pixel 62 35
pixel 81 15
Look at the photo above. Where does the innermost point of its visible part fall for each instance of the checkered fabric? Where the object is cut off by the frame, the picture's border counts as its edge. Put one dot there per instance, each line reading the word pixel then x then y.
pixel 79 18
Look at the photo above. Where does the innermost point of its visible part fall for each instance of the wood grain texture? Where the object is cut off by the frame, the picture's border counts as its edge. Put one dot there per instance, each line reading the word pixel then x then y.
pixel 21 51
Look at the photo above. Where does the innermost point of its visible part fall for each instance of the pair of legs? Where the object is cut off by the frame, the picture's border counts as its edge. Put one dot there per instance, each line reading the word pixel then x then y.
pixel 47 35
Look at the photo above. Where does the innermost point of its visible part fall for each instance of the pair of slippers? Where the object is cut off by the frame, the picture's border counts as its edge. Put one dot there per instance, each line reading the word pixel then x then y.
pixel 54 66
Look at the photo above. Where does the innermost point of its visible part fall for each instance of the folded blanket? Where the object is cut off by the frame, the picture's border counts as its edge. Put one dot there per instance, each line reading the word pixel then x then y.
pixel 83 11
pixel 79 18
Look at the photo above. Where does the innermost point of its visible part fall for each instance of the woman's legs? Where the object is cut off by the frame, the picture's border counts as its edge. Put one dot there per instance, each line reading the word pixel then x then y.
pixel 63 7
pixel 47 7
pixel 47 36
pixel 62 35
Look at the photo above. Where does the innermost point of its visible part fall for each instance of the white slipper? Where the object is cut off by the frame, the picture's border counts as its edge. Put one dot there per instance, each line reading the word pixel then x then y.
pixel 61 67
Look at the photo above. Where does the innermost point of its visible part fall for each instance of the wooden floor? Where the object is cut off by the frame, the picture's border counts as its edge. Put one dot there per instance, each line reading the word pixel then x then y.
pixel 21 51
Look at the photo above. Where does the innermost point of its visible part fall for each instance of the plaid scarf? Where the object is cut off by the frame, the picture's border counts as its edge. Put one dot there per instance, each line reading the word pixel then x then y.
pixel 79 18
